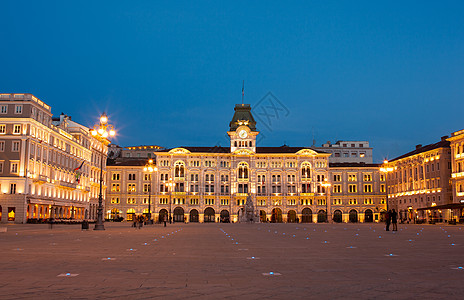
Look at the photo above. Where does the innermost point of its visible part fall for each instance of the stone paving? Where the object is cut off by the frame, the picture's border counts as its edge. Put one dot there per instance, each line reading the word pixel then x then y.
pixel 229 261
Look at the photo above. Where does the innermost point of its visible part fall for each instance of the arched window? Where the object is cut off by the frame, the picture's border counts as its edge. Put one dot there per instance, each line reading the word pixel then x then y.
pixel 235 144
pixel 179 169
pixel 251 144
pixel 243 170
pixel 305 170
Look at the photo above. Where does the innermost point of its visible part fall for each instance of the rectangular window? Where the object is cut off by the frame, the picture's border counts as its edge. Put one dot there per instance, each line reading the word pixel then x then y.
pixel 4 109
pixel 352 188
pixel 146 187
pixel 131 201
pixel 382 188
pixel 352 177
pixel 131 187
pixel 2 146
pixel 337 177
pixel 18 109
pixel 2 129
pixel 115 176
pixel 115 187
pixel 13 188
pixel 368 188
pixel 115 200
pixel 14 167
pixel 1 166
pixel 367 177
pixel 16 129
pixel 131 176
pixel 337 188
pixel 147 177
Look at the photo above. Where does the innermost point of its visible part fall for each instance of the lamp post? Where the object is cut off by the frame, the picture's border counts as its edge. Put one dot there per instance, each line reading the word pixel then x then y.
pixel 326 184
pixel 150 168
pixel 101 133
pixel 170 185
pixel 386 169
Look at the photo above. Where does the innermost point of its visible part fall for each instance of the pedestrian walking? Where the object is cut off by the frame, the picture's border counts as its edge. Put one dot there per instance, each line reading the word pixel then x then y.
pixel 165 219
pixel 388 220
pixel 50 223
pixel 394 220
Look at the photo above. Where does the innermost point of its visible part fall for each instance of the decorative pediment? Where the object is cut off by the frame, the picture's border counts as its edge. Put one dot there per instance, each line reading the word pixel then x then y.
pixel 179 151
pixel 306 152
pixel 243 152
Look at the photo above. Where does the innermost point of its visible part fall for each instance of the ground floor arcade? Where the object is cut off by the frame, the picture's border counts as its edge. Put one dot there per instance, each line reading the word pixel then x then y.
pixel 185 213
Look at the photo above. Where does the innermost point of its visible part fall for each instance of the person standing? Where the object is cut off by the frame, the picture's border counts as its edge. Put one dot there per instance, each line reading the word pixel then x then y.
pixel 165 219
pixel 388 220
pixel 394 220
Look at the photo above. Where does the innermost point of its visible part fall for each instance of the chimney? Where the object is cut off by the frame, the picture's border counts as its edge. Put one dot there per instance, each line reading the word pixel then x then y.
pixel 443 138
pixel 418 146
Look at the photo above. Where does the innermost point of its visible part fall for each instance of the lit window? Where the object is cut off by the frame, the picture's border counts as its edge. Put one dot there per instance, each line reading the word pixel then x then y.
pixel 16 129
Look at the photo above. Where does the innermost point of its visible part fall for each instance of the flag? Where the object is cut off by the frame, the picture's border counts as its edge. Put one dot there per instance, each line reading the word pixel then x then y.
pixel 78 168
pixel 78 174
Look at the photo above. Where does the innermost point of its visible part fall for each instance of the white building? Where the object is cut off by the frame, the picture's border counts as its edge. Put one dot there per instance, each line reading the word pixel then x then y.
pixel 348 151
pixel 48 168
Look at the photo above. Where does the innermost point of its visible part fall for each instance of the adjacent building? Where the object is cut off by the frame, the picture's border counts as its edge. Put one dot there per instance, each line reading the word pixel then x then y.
pixel 358 192
pixel 457 174
pixel 348 151
pixel 49 167
pixel 419 183
pixel 214 184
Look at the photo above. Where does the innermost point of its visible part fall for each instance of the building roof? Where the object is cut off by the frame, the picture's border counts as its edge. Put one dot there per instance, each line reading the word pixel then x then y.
pixel 353 165
pixel 259 150
pixel 242 113
pixel 127 162
pixel 420 149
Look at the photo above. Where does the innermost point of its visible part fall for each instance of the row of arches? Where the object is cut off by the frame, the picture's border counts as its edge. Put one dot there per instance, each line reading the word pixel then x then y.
pixel 276 216
pixel 307 216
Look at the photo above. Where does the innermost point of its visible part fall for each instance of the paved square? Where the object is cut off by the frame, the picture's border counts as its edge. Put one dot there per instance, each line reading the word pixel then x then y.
pixel 228 261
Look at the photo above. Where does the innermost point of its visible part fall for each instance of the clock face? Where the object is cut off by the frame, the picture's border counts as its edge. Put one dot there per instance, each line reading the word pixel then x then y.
pixel 242 133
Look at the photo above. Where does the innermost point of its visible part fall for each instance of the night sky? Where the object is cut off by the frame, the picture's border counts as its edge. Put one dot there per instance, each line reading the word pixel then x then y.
pixel 170 72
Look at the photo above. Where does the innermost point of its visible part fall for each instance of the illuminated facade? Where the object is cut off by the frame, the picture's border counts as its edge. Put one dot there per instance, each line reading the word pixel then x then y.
pixel 358 192
pixel 419 181
pixel 49 167
pixel 457 174
pixel 211 184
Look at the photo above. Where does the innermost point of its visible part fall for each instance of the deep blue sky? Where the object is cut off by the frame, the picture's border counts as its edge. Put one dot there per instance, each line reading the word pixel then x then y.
pixel 170 72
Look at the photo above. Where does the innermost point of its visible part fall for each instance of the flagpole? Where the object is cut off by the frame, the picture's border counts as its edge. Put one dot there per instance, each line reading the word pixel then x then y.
pixel 243 90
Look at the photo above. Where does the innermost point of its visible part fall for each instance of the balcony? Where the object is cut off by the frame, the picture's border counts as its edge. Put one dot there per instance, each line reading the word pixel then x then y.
pixel 66 185
pixel 40 179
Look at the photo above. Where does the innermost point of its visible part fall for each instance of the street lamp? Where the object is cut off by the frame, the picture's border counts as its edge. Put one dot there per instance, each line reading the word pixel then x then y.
pixel 170 184
pixel 326 184
pixel 150 168
pixel 386 169
pixel 101 133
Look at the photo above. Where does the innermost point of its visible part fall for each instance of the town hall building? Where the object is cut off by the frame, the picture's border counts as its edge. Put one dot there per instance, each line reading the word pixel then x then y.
pixel 212 184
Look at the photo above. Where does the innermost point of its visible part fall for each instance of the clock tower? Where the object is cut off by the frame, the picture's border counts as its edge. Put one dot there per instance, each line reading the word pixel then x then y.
pixel 242 131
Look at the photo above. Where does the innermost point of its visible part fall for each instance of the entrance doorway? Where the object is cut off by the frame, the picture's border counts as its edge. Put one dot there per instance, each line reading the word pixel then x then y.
pixel 209 215
pixel 194 216
pixel 276 216
pixel 179 214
